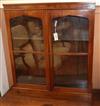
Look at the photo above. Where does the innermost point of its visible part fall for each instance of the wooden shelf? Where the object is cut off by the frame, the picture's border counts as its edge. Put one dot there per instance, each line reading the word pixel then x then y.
pixel 72 54
pixel 21 38
pixel 70 40
pixel 38 52
pixel 23 51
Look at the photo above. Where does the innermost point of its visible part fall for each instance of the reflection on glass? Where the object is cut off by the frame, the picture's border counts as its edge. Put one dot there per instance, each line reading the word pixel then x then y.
pixel 30 68
pixel 70 34
pixel 27 33
pixel 70 71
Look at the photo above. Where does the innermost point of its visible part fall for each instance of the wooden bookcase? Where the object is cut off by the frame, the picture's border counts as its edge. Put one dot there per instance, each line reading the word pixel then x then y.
pixel 51 46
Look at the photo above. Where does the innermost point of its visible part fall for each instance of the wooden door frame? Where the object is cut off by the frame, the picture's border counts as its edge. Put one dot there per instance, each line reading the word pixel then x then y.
pixel 38 14
pixel 89 14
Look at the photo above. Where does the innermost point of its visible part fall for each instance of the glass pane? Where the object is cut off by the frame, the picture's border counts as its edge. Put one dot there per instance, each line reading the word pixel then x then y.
pixel 70 34
pixel 27 33
pixel 70 71
pixel 30 68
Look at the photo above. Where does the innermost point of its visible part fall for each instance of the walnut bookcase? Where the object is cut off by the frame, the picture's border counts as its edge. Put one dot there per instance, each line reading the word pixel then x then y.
pixel 51 47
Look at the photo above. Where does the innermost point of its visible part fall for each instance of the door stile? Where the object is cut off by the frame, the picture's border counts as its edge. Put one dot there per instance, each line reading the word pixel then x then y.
pixel 90 51
pixel 47 62
pixel 48 52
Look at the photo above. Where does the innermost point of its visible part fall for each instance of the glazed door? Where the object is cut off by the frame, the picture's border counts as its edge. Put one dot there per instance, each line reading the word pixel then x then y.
pixel 27 34
pixel 69 39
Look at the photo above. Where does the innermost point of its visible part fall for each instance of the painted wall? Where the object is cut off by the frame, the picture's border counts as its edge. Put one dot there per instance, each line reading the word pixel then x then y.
pixel 0 53
pixel 96 62
pixel 96 65
pixel 4 86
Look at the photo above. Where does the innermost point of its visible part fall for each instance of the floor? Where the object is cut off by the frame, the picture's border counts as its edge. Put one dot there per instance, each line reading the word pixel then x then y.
pixel 15 99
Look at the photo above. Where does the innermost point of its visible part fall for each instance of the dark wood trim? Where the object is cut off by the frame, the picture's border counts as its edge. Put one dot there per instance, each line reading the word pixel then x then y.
pixel 30 87
pixel 90 50
pixel 47 59
pixel 50 6
pixel 50 51
pixel 53 94
pixel 7 17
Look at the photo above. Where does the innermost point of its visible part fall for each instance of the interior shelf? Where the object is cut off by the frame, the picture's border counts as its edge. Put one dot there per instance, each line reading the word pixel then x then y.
pixel 72 54
pixel 24 51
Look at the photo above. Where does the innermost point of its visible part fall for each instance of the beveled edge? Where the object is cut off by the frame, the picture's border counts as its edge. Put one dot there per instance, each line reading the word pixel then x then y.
pixel 50 6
